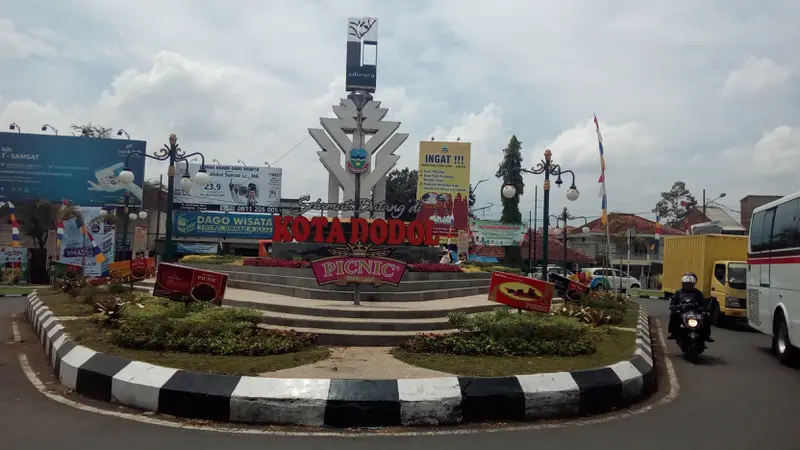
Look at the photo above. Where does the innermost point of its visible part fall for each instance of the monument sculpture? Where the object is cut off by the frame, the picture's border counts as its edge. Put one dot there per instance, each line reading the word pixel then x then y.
pixel 369 153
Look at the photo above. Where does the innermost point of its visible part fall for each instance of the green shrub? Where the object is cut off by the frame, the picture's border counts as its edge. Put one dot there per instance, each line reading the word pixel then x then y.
pixel 605 300
pixel 117 288
pixel 502 333
pixel 89 294
pixel 163 325
pixel 213 259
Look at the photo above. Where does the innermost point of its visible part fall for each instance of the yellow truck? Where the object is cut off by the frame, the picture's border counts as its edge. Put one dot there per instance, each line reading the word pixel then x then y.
pixel 719 261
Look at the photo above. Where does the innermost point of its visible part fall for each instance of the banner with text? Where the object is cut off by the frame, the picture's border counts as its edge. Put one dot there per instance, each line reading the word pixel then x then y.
pixel 222 225
pixel 496 233
pixel 236 188
pixel 77 249
pixel 80 169
pixel 443 185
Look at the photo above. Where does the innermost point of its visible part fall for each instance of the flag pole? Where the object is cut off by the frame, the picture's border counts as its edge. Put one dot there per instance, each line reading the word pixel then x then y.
pixel 603 192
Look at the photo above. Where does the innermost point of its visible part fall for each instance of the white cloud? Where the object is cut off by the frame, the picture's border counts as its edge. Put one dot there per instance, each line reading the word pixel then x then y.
pixel 16 44
pixel 755 76
pixel 247 82
pixel 778 150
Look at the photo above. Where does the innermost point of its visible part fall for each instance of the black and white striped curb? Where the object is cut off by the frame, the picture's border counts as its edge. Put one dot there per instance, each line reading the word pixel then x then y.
pixel 343 403
pixel 13 295
pixel 657 297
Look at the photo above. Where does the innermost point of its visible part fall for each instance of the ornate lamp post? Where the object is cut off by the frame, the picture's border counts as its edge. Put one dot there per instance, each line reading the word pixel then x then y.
pixel 172 153
pixel 548 168
pixel 563 218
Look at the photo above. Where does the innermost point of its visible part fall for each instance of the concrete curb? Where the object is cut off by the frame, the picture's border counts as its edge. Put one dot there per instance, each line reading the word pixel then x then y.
pixel 343 403
pixel 12 295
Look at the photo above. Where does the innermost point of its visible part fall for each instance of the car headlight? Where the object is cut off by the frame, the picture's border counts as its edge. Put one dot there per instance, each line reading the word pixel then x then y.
pixel 692 323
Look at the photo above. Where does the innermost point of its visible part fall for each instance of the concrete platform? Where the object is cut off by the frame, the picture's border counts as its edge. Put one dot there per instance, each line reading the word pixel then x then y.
pixel 371 324
pixel 300 283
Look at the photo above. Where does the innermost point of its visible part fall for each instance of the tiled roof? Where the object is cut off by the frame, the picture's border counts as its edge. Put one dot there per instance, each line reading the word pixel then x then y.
pixel 555 251
pixel 621 222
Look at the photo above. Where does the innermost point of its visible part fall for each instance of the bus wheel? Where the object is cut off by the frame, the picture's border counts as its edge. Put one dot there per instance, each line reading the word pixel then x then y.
pixel 781 344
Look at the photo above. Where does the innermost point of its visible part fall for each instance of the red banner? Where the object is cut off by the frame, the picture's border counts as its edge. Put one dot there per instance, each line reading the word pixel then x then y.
pixel 343 270
pixel 521 292
pixel 183 283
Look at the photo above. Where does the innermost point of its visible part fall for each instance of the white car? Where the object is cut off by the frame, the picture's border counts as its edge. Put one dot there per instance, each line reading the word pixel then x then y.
pixel 615 277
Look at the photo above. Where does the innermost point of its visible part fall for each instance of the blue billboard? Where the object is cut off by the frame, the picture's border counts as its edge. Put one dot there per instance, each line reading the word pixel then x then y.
pixel 222 225
pixel 82 170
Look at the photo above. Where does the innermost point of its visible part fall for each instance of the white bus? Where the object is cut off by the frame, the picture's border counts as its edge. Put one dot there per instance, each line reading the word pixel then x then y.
pixel 773 274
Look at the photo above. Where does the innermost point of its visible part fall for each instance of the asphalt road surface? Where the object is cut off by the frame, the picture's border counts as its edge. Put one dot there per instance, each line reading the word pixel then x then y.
pixel 739 398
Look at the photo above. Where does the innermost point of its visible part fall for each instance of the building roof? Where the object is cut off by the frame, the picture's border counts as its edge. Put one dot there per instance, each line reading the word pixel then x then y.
pixel 723 219
pixel 621 222
pixel 555 251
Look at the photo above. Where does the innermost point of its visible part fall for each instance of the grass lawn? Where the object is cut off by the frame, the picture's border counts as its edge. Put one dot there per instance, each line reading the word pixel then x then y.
pixel 14 290
pixel 616 346
pixel 63 305
pixel 94 337
pixel 631 317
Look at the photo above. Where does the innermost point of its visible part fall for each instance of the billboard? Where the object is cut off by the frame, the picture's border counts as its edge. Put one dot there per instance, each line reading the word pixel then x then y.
pixel 517 291
pixel 82 170
pixel 77 249
pixel 222 225
pixel 496 233
pixel 362 54
pixel 443 185
pixel 235 188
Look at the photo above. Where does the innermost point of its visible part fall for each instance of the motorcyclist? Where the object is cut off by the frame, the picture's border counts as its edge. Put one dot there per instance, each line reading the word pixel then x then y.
pixel 688 289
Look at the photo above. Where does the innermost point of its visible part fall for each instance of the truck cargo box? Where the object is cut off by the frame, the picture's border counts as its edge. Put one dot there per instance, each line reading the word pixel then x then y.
pixel 697 254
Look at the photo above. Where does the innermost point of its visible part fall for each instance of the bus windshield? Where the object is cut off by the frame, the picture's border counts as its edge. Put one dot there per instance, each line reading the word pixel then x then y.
pixel 737 275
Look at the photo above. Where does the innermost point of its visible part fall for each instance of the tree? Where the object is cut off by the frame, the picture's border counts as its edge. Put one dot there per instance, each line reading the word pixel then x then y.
pixel 36 218
pixel 509 173
pixel 401 189
pixel 675 204
pixel 92 131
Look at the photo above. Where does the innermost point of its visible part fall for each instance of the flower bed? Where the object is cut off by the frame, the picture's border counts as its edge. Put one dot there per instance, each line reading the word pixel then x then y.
pixel 267 262
pixel 194 336
pixel 504 343
pixel 433 267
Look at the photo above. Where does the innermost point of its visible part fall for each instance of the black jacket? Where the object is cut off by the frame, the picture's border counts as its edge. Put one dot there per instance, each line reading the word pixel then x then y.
pixel 694 293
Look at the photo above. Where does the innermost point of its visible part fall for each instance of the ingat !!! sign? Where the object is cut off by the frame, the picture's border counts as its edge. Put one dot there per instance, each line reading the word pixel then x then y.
pixel 377 232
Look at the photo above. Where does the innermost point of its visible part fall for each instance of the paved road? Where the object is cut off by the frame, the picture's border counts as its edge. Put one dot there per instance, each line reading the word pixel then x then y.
pixel 741 399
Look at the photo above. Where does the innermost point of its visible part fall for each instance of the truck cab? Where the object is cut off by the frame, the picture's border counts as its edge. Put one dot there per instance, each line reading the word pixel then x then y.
pixel 729 288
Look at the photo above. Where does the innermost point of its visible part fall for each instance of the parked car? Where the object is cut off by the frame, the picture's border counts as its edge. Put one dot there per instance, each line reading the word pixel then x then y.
pixel 615 277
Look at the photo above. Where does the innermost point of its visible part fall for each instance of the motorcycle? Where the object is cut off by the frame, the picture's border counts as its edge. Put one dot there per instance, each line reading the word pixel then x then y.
pixel 690 335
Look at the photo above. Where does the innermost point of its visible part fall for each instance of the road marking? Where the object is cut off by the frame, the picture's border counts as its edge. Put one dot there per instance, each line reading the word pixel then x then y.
pixel 671 395
pixel 15 328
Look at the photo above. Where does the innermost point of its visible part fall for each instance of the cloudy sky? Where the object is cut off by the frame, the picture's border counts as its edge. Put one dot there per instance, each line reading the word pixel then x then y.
pixel 705 92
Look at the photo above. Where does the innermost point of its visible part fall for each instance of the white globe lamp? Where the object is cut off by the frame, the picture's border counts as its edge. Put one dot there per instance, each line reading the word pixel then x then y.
pixel 586 230
pixel 202 177
pixel 186 182
pixel 573 194
pixel 142 215
pixel 508 191
pixel 126 176
pixel 132 216
pixel 103 213
pixel 557 230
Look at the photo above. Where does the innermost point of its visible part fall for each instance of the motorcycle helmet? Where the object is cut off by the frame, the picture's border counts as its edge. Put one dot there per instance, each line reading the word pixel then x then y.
pixel 688 280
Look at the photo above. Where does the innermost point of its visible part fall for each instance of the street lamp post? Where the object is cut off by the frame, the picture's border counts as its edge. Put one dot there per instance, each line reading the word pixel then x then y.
pixel 52 128
pixel 174 154
pixel 15 127
pixel 548 168
pixel 564 217
pixel 705 203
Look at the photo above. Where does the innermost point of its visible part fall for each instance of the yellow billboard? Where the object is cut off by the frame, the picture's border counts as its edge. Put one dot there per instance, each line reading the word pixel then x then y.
pixel 443 185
